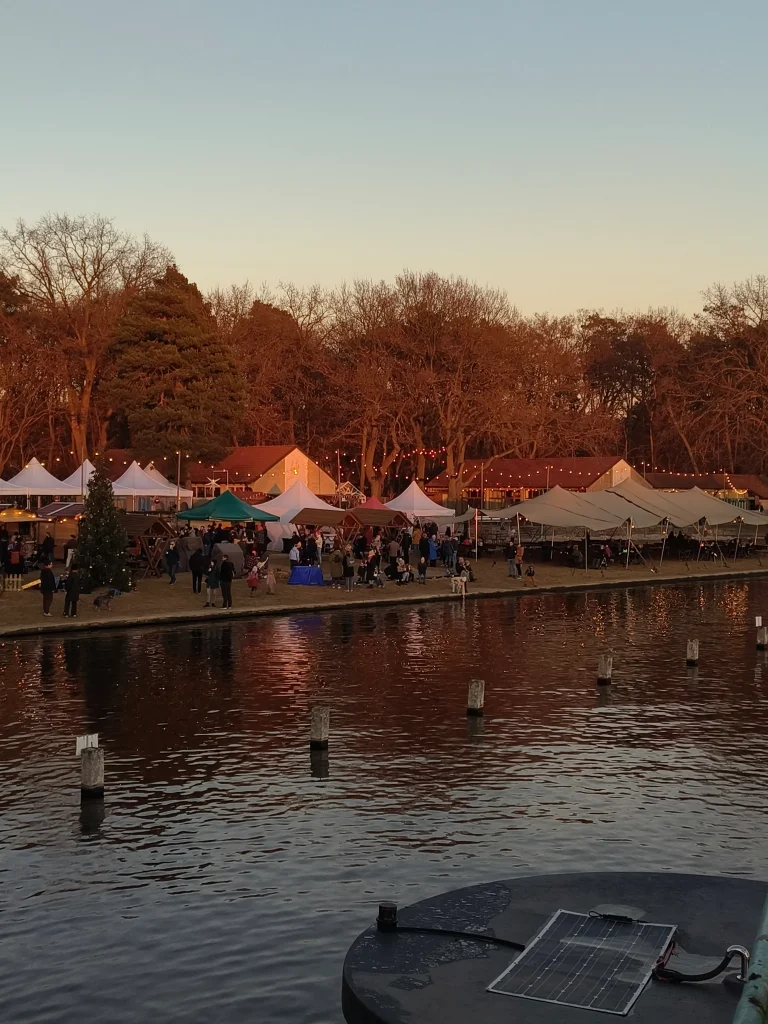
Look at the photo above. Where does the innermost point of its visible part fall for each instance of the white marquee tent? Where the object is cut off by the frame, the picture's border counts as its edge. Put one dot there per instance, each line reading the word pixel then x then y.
pixel 414 502
pixel 154 474
pixel 134 483
pixel 286 506
pixel 714 510
pixel 81 477
pixel 560 508
pixel 658 502
pixel 35 479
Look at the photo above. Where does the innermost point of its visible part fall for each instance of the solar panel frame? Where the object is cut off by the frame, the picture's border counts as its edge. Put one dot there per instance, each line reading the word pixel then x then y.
pixel 636 947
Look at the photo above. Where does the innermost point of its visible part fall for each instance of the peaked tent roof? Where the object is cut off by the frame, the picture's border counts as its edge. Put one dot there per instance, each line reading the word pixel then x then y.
pixel 607 501
pixel 558 507
pixel 414 502
pixel 227 508
pixel 716 511
pixel 135 481
pixel 81 475
pixel 294 500
pixel 35 479
pixel 154 473
pixel 373 503
pixel 658 502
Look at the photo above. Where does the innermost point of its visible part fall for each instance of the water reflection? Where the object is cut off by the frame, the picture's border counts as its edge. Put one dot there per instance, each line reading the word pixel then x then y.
pixel 212 803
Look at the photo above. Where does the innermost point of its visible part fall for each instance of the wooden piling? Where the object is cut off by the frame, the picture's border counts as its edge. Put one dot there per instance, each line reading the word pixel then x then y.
pixel 604 669
pixel 92 773
pixel 762 638
pixel 692 653
pixel 319 728
pixel 476 697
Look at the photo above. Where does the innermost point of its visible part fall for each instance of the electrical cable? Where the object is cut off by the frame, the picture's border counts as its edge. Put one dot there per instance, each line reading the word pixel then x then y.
pixel 663 973
pixel 462 935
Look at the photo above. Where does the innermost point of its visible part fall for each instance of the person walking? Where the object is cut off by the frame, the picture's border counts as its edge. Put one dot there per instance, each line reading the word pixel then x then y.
pixel 212 582
pixel 226 575
pixel 47 587
pixel 172 561
pixel 337 567
pixel 72 592
pixel 197 567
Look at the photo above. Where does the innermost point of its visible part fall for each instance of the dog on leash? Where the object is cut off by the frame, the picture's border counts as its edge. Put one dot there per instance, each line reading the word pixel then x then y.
pixel 103 602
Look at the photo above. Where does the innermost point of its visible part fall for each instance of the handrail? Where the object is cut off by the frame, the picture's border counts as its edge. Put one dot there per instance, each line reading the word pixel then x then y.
pixel 753 1005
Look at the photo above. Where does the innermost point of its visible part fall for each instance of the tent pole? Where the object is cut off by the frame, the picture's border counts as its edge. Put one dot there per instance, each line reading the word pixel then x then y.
pixel 476 535
pixel 663 545
pixel 738 538
pixel 518 527
pixel 586 550
pixel 629 541
pixel 698 531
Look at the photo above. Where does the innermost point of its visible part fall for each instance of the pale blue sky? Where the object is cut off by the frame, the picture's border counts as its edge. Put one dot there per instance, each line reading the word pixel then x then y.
pixel 576 153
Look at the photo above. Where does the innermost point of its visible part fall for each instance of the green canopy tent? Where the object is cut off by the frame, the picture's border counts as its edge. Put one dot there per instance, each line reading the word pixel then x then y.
pixel 227 508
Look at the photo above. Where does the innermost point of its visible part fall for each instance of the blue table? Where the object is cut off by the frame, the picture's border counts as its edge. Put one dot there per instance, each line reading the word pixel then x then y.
pixel 307 576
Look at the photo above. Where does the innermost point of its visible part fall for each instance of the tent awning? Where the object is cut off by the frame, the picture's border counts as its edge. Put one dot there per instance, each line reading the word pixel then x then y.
pixel 657 502
pixel 227 508
pixel 560 508
pixel 716 511
pixel 154 474
pixel 606 501
pixel 414 502
pixel 318 517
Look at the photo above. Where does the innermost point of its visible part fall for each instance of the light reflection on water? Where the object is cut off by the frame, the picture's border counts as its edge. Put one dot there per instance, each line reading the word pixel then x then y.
pixel 230 871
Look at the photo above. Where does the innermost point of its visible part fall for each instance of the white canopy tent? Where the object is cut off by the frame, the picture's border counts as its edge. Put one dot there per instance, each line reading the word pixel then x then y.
pixel 81 477
pixel 637 517
pixel 154 474
pixel 560 508
pixel 134 483
pixel 657 502
pixel 35 479
pixel 414 502
pixel 286 506
pixel 716 511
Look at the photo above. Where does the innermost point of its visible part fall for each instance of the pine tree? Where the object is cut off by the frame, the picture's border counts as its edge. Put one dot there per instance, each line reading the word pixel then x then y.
pixel 173 380
pixel 102 539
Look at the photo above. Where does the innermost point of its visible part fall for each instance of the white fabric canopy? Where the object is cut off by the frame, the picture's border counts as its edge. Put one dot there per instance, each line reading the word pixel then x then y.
pixel 606 501
pixel 716 511
pixel 286 506
pixel 657 502
pixel 135 483
pixel 558 507
pixel 414 502
pixel 81 476
pixel 35 479
pixel 154 474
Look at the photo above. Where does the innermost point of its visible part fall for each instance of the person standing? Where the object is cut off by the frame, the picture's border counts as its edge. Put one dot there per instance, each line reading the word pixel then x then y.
pixel 393 550
pixel 519 553
pixel 349 569
pixel 196 567
pixel 172 561
pixel 70 548
pixel 71 592
pixel 405 543
pixel 423 546
pixel 294 555
pixel 226 575
pixel 47 587
pixel 211 585
pixel 510 553
pixel 46 548
pixel 337 566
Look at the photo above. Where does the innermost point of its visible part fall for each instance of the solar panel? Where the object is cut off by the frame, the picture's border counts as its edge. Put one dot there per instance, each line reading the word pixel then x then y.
pixel 587 961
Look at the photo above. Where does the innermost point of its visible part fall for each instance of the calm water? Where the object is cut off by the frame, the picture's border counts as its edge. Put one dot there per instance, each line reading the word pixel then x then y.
pixel 227 877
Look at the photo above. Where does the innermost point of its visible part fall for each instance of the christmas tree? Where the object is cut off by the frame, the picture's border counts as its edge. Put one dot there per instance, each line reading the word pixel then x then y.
pixel 102 539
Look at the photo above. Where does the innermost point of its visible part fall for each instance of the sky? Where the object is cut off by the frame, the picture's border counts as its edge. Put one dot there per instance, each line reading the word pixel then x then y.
pixel 575 153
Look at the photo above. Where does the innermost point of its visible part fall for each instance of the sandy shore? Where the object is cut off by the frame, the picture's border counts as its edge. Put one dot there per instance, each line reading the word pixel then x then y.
pixel 156 602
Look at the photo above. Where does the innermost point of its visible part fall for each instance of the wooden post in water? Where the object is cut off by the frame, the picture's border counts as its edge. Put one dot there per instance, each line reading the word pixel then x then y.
pixel 692 653
pixel 92 773
pixel 476 697
pixel 319 728
pixel 604 669
pixel 762 638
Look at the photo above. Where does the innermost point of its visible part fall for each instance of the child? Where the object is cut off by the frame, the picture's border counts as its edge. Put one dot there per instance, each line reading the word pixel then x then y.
pixel 253 580
pixel 422 570
pixel 530 577
pixel 271 585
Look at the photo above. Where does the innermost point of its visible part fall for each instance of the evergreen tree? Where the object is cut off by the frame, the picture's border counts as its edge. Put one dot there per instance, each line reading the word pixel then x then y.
pixel 174 381
pixel 102 539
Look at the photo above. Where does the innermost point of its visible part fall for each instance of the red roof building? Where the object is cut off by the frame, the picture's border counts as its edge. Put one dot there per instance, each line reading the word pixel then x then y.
pixel 506 480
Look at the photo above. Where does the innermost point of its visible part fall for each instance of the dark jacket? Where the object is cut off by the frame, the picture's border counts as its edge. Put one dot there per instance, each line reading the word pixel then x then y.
pixel 72 586
pixel 197 561
pixel 226 572
pixel 172 556
pixel 47 581
pixel 424 546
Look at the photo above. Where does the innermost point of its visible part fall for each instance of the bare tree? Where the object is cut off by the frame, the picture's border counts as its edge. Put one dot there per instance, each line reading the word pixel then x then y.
pixel 80 272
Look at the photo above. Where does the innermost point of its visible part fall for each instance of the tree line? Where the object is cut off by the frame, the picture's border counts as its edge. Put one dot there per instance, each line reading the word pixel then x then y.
pixel 105 343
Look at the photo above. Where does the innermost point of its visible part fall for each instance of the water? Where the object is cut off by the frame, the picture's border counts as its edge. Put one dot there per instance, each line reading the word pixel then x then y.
pixel 228 877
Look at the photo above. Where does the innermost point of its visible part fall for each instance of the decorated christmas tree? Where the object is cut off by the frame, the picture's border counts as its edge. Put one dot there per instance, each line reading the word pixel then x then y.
pixel 102 539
